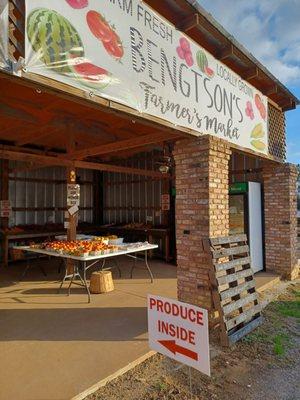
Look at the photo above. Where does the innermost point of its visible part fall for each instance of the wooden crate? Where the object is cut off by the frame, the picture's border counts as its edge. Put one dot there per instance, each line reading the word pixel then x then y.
pixel 233 287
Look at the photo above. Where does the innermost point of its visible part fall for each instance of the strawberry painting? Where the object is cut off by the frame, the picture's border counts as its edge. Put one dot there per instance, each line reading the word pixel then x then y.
pixel 184 52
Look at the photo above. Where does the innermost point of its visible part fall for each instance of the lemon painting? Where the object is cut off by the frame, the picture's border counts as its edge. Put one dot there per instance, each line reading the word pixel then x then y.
pixel 257 135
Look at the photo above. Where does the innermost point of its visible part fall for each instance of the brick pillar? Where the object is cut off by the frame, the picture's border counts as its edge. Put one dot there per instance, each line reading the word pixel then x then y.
pixel 202 210
pixel 281 219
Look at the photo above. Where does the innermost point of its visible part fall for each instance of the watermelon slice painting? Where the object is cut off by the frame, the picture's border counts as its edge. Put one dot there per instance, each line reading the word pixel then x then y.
pixel 202 62
pixel 53 38
pixel 89 74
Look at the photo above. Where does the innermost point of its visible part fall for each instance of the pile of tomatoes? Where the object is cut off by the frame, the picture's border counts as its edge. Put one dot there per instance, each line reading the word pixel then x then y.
pixel 80 247
pixel 102 30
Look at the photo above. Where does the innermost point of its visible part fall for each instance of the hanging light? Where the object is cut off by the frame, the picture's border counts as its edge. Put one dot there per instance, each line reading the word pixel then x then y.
pixel 164 169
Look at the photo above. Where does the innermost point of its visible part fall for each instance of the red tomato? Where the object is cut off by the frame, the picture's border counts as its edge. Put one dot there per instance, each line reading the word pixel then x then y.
pixel 98 26
pixel 114 48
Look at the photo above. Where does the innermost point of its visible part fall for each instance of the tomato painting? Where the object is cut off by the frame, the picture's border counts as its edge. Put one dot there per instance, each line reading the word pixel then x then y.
pixel 101 29
pixel 114 48
pixel 98 26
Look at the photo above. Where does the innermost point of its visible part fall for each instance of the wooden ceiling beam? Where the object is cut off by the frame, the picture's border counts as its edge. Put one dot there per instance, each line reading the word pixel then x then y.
pixel 199 22
pixel 226 52
pixel 16 114
pixel 58 161
pixel 121 145
pixel 288 105
pixel 128 153
pixel 120 169
pixel 21 110
pixel 250 74
pixel 102 106
pixel 34 136
pixel 272 90
pixel 30 167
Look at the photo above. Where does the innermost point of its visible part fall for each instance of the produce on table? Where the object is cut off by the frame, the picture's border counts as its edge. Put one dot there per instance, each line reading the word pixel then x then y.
pixel 79 248
pixel 102 30
pixel 53 38
pixel 78 4
pixel 89 74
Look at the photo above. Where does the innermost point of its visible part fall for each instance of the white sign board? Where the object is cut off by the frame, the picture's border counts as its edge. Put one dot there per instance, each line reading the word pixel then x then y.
pixel 179 331
pixel 124 51
pixel 3 33
pixel 5 209
pixel 73 195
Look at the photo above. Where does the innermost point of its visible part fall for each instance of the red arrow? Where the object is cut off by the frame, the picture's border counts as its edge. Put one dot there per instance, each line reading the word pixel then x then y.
pixel 175 348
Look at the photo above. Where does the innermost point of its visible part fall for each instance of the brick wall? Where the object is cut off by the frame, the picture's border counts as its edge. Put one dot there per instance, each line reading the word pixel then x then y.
pixel 202 166
pixel 280 218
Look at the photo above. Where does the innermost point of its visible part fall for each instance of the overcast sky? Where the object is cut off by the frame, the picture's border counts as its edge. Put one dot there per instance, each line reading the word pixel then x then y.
pixel 270 30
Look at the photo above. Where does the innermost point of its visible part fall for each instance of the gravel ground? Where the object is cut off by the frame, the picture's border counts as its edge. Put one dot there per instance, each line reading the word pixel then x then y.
pixel 264 366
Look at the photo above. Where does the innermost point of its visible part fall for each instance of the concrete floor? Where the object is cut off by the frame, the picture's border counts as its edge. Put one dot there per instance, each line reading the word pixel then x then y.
pixel 55 347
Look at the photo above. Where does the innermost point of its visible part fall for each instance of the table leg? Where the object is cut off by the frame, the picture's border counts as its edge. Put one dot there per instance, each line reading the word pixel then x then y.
pixel 65 276
pixel 72 279
pixel 150 240
pixel 167 249
pixel 25 270
pixel 147 265
pixel 5 252
pixel 85 282
pixel 118 268
pixel 133 267
pixel 103 264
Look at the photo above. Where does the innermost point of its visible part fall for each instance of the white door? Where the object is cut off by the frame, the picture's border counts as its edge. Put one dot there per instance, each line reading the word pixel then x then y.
pixel 255 226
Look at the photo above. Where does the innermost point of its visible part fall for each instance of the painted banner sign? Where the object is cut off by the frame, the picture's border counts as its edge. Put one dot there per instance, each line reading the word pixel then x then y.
pixel 179 331
pixel 3 33
pixel 123 51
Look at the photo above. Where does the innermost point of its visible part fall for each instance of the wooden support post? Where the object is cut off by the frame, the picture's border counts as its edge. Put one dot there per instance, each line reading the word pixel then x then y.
pixel 71 179
pixel 4 192
pixel 72 228
pixel 4 188
pixel 98 198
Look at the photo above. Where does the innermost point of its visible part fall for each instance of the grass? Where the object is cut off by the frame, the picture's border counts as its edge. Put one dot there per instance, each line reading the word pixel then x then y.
pixel 258 336
pixel 289 308
pixel 276 312
pixel 280 341
pixel 160 386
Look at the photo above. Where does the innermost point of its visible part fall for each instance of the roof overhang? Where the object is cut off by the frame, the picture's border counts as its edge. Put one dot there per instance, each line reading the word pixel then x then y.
pixel 189 17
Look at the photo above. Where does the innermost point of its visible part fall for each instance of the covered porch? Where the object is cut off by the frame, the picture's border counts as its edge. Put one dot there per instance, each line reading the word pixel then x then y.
pixel 54 347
